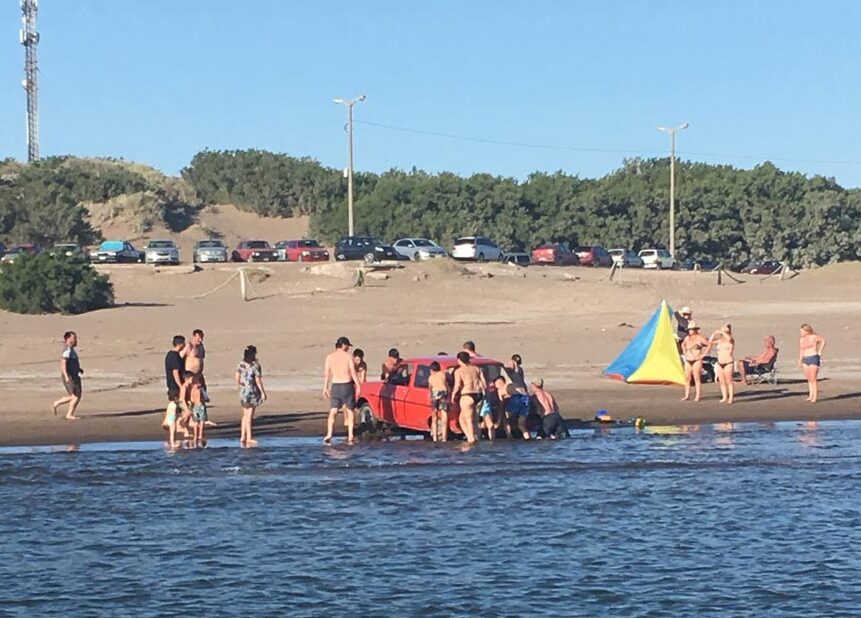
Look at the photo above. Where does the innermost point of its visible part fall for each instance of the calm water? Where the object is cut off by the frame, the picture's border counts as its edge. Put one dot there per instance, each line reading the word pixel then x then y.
pixel 752 520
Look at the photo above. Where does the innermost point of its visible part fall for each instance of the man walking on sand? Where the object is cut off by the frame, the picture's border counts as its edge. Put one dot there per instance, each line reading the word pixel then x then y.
pixel 341 387
pixel 70 368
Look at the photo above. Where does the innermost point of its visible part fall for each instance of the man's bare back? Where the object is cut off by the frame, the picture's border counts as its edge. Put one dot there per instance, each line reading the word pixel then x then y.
pixel 468 380
pixel 339 368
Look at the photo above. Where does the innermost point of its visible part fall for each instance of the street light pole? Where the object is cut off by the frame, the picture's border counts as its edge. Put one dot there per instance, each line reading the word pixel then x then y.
pixel 672 132
pixel 349 128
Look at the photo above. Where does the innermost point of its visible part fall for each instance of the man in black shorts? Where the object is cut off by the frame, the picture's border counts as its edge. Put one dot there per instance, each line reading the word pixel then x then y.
pixel 173 370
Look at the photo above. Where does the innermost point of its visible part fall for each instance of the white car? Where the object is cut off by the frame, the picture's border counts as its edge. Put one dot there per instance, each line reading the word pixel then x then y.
pixel 477 248
pixel 657 258
pixel 161 252
pixel 418 248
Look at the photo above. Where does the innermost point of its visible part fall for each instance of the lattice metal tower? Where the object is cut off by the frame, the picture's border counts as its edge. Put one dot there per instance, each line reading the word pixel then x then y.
pixel 30 40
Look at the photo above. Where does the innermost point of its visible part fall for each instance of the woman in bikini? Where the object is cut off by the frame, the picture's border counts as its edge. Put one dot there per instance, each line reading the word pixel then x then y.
pixel 724 343
pixel 694 348
pixel 810 348
pixel 469 388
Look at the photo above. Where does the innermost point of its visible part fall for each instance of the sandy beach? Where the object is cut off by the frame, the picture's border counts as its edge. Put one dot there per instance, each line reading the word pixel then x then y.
pixel 567 323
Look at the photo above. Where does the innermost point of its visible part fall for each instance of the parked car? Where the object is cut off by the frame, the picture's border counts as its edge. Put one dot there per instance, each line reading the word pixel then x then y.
pixel 517 258
pixel 657 258
pixel 593 255
pixel 418 248
pixel 116 251
pixel 66 249
pixel 697 265
pixel 254 251
pixel 16 251
pixel 626 258
pixel 402 401
pixel 479 248
pixel 555 253
pixel 161 252
pixel 301 251
pixel 761 267
pixel 211 250
pixel 365 248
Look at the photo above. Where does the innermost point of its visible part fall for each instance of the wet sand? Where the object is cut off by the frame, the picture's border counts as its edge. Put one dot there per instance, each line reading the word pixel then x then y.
pixel 567 323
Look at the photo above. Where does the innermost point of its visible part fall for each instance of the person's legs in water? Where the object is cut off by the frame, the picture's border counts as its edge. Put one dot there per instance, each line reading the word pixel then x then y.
pixel 467 417
pixel 330 425
pixel 443 427
pixel 246 432
pixel 349 422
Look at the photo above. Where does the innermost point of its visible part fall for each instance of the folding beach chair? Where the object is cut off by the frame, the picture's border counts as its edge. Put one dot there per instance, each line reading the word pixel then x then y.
pixel 765 374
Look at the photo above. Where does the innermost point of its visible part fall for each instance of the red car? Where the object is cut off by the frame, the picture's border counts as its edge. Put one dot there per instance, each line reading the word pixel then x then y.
pixel 594 255
pixel 403 401
pixel 301 251
pixel 554 254
pixel 254 251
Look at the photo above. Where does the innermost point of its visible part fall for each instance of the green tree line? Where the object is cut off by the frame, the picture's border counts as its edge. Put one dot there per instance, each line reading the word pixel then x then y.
pixel 723 213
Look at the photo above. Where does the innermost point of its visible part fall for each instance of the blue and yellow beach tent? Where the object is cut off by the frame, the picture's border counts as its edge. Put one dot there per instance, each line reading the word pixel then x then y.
pixel 652 356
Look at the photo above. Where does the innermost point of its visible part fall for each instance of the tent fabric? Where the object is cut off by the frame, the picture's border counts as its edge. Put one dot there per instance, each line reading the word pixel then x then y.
pixel 652 356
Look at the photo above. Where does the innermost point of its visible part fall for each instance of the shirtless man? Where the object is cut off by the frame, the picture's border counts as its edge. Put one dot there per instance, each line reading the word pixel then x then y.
pixel 469 388
pixel 469 348
pixel 194 355
pixel 341 386
pixel 390 366
pixel 552 423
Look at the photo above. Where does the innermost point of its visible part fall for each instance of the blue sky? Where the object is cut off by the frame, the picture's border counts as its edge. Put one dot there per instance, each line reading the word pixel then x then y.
pixel 158 80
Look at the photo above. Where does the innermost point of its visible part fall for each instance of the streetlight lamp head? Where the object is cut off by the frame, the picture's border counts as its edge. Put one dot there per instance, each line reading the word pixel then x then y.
pixel 662 128
pixel 685 126
pixel 339 100
pixel 362 98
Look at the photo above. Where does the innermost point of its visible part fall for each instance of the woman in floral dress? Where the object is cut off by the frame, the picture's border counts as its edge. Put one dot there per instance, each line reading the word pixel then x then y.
pixel 249 378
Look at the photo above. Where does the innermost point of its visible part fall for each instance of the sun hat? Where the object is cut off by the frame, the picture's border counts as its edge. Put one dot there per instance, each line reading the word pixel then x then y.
pixel 693 325
pixel 686 311
pixel 539 382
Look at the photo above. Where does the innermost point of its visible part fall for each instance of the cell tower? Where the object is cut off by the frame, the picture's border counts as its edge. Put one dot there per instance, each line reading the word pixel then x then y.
pixel 30 39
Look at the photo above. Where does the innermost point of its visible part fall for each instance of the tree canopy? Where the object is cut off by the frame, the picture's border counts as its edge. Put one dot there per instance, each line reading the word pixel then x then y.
pixel 723 213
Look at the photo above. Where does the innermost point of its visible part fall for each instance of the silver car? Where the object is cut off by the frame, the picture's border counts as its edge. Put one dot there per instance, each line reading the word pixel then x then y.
pixel 419 248
pixel 209 251
pixel 161 252
pixel 626 258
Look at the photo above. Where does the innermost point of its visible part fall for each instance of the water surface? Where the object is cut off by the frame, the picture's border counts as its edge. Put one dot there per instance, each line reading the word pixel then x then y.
pixel 741 520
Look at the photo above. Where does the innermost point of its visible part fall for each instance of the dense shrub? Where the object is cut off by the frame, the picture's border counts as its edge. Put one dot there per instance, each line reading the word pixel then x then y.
pixel 53 284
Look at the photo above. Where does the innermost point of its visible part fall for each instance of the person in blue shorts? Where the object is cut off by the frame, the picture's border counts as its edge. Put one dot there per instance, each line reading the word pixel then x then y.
pixel 516 406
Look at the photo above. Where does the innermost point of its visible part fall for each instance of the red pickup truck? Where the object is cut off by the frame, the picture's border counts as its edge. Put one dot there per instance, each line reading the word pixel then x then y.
pixel 403 400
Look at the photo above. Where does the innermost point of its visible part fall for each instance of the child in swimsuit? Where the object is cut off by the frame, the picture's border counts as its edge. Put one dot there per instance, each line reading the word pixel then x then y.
pixel 438 386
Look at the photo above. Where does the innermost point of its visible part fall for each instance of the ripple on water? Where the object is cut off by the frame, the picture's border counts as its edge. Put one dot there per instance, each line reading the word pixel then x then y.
pixel 747 520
